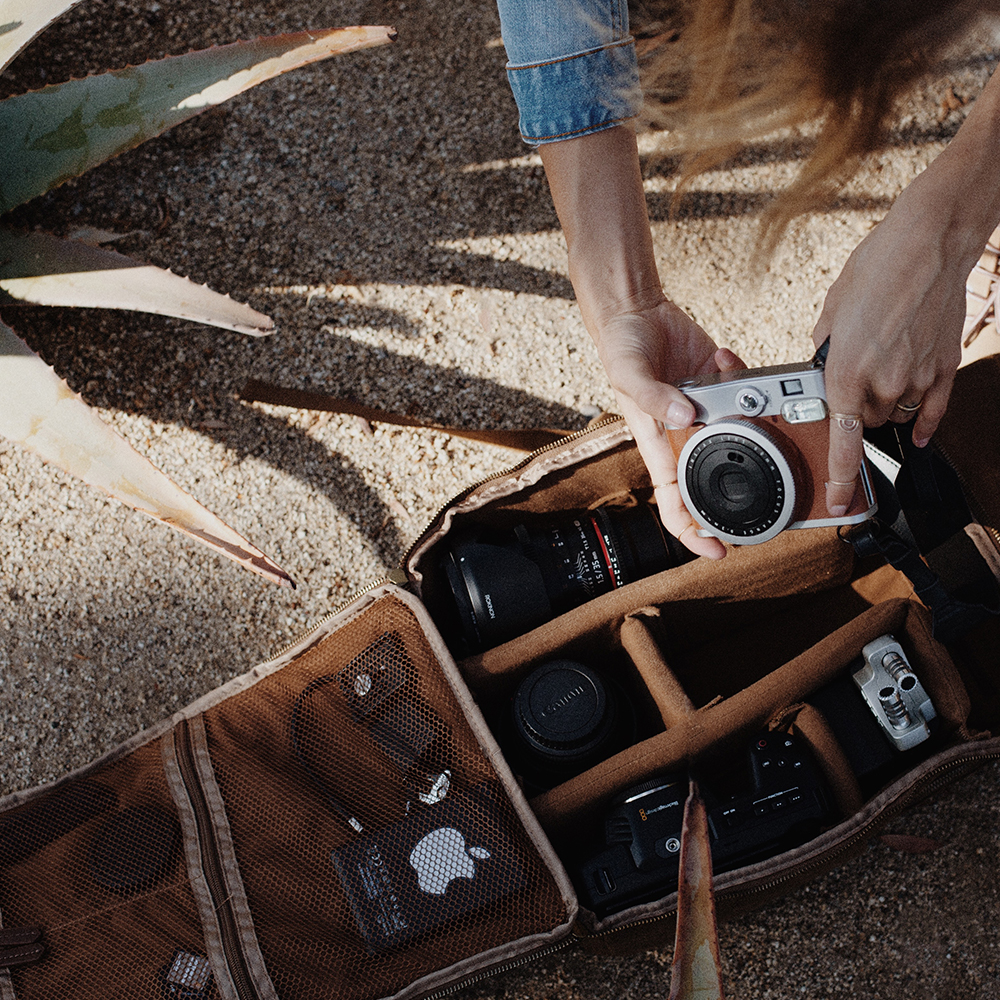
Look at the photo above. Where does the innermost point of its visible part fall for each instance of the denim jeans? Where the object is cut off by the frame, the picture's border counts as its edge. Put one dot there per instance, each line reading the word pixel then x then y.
pixel 571 64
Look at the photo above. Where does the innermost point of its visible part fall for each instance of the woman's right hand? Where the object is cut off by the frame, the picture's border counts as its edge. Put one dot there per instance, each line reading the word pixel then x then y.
pixel 644 353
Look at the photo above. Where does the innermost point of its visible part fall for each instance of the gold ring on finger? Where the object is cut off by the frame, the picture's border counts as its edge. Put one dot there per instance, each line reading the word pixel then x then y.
pixel 848 422
pixel 663 486
pixel 680 537
pixel 910 407
pixel 835 482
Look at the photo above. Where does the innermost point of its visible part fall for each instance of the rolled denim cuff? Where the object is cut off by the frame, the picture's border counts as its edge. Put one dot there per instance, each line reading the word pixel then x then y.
pixel 577 94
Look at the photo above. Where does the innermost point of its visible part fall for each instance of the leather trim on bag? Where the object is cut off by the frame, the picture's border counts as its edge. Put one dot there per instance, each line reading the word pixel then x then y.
pixel 227 855
pixel 196 875
pixel 6 985
pixel 984 543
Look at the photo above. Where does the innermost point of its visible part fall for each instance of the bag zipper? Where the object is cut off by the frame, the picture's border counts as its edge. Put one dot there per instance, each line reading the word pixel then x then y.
pixel 212 869
pixel 927 785
pixel 550 446
pixel 398 576
pixel 974 506
pixel 514 963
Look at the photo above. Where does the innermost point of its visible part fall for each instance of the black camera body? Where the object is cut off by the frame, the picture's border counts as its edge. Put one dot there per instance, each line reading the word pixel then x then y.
pixel 786 805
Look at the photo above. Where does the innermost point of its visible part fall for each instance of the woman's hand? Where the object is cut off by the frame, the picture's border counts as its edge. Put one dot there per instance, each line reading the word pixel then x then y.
pixel 644 353
pixel 894 316
pixel 645 342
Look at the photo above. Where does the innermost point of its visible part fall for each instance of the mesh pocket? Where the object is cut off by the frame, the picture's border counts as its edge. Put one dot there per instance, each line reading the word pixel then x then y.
pixel 375 842
pixel 97 863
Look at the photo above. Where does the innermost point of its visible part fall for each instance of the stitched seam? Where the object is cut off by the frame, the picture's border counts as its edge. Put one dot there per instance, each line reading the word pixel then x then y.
pixel 577 131
pixel 616 19
pixel 576 55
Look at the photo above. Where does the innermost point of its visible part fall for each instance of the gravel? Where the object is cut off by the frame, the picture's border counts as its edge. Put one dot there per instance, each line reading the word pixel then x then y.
pixel 383 210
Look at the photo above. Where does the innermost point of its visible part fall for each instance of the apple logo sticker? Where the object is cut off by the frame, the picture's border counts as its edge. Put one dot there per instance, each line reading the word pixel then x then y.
pixel 441 856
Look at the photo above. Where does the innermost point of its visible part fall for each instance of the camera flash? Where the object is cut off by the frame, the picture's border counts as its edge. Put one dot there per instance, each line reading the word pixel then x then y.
pixel 804 411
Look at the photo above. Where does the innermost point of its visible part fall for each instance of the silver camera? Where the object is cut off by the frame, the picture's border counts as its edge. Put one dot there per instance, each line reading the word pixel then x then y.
pixel 894 693
pixel 755 460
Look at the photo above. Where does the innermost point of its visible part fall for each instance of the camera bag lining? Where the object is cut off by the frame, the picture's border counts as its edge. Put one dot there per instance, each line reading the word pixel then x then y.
pixel 772 602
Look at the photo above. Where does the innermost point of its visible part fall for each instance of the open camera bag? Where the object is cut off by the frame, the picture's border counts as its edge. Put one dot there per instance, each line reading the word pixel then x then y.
pixel 278 838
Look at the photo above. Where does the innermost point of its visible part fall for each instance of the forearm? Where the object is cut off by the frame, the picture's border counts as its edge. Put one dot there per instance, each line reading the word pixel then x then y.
pixel 956 200
pixel 596 186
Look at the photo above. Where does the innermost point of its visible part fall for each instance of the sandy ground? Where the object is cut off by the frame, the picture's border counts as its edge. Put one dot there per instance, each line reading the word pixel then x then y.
pixel 383 210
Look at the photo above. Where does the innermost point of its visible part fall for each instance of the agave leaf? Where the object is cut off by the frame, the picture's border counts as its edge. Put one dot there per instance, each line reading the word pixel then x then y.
pixel 696 973
pixel 38 410
pixel 58 132
pixel 22 20
pixel 47 271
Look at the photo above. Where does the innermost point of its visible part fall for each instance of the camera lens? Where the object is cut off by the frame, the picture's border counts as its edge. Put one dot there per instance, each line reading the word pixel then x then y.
pixel 736 480
pixel 565 718
pixel 505 583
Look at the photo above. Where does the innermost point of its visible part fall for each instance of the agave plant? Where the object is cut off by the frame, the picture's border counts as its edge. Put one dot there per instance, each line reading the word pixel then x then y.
pixel 50 135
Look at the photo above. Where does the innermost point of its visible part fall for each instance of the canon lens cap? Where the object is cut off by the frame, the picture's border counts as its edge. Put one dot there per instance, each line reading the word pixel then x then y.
pixel 562 710
pixel 134 849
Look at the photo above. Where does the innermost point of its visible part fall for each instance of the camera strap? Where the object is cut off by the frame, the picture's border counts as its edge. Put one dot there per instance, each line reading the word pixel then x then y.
pixel 924 529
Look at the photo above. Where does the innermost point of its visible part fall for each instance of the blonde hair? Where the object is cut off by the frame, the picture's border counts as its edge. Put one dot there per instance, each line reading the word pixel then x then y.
pixel 746 68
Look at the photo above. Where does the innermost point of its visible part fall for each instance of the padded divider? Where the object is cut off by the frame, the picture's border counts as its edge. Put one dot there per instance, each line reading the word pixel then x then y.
pixel 671 700
pixel 809 724
pixel 794 564
pixel 750 709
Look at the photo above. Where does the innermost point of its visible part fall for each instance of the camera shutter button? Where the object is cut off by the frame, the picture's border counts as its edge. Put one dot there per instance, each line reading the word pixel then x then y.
pixel 751 401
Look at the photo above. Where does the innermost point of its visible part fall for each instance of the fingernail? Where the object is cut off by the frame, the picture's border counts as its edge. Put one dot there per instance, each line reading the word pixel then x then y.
pixel 679 415
pixel 838 510
pixel 921 442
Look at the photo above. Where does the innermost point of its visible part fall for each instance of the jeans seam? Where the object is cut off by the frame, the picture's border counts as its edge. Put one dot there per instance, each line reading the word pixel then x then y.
pixel 576 55
pixel 577 131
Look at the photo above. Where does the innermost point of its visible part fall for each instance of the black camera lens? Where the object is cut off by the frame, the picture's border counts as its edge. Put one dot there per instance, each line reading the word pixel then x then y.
pixel 565 718
pixel 505 583
pixel 736 479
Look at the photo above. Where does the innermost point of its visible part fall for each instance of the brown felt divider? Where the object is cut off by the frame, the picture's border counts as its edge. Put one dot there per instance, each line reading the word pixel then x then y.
pixel 671 700
pixel 750 709
pixel 809 724
pixel 794 564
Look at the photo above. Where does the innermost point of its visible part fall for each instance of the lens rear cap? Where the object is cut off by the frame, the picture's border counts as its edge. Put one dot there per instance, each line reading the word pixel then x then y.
pixel 562 708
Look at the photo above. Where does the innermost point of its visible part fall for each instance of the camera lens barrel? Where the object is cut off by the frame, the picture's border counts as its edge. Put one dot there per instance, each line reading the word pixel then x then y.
pixel 505 583
pixel 735 478
pixel 565 718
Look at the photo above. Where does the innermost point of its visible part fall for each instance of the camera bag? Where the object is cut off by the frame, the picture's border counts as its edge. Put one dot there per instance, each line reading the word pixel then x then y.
pixel 343 819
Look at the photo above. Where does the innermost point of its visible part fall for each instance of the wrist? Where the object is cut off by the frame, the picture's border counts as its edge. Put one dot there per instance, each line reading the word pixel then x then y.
pixel 610 285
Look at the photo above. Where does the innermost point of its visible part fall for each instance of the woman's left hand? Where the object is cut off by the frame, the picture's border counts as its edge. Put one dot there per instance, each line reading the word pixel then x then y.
pixel 894 318
pixel 895 315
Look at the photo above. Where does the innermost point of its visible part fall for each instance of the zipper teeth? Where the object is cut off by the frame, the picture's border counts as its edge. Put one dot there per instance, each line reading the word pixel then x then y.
pixel 514 963
pixel 970 496
pixel 235 959
pixel 926 786
pixel 330 615
pixel 398 576
pixel 550 446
